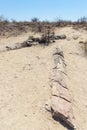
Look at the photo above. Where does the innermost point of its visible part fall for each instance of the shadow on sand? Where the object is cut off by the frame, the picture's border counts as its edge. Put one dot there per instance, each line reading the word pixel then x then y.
pixel 63 123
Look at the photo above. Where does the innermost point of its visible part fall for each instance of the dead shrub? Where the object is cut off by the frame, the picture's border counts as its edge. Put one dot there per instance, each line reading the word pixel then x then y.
pixel 45 39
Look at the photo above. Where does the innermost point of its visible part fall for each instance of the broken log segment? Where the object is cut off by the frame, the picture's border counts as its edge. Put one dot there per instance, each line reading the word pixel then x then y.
pixel 61 102
pixel 15 46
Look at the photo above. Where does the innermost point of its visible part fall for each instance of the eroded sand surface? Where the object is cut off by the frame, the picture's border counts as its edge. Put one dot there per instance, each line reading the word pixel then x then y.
pixel 25 83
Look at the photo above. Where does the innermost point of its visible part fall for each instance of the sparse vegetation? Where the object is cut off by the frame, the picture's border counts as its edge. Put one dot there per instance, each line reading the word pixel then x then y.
pixel 14 28
pixel 44 39
pixel 82 20
pixel 35 19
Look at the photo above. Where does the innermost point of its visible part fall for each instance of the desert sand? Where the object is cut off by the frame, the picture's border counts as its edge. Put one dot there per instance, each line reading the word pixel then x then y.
pixel 25 82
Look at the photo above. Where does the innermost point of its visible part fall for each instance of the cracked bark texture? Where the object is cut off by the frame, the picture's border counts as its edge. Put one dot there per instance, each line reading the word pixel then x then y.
pixel 61 102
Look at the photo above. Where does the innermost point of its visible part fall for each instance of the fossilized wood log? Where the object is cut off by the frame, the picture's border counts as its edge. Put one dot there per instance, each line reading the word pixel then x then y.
pixel 61 101
pixel 15 46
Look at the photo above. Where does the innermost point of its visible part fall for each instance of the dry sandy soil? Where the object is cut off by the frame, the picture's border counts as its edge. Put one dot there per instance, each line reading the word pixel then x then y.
pixel 25 76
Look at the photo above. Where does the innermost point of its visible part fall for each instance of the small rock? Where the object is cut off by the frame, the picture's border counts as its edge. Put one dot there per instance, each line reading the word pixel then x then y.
pixel 62 36
pixel 75 37
pixel 48 106
pixel 81 42
pixel 25 115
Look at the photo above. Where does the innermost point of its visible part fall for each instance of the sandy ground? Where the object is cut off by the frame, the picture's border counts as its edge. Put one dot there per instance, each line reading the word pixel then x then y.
pixel 25 83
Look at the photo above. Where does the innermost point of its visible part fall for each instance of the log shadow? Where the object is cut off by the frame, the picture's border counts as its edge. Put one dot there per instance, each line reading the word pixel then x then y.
pixel 62 122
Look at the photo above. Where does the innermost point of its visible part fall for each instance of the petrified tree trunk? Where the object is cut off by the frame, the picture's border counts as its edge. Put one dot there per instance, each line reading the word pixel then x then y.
pixel 61 102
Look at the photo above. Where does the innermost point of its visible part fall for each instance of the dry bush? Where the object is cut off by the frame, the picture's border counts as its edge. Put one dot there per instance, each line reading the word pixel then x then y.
pixel 35 19
pixel 81 23
pixel 44 39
